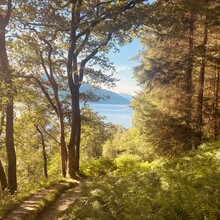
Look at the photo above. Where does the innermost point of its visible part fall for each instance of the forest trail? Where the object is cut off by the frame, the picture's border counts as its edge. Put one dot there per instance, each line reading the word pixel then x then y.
pixel 61 204
pixel 32 207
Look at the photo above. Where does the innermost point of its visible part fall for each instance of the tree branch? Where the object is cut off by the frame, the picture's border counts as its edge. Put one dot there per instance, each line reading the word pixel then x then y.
pixel 49 74
pixel 83 43
pixel 8 13
pixel 43 89
pixel 90 56
pixel 49 134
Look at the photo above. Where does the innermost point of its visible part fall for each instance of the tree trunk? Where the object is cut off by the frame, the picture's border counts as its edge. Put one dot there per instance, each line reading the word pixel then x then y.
pixel 3 179
pixel 78 130
pixel 216 132
pixel 201 87
pixel 2 120
pixel 44 156
pixel 73 89
pixel 43 150
pixel 58 109
pixel 189 85
pixel 63 150
pixel 74 144
pixel 12 176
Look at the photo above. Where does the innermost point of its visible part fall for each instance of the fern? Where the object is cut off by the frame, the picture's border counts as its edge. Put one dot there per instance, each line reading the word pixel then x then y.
pixel 185 188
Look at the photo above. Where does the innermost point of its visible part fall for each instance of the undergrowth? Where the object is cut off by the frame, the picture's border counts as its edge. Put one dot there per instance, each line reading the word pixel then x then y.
pixel 127 188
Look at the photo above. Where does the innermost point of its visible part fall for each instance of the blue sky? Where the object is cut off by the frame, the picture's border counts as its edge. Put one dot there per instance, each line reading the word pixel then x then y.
pixel 124 64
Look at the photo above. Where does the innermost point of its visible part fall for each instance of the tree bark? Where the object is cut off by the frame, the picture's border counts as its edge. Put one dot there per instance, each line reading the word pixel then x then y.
pixel 74 144
pixel 77 128
pixel 189 85
pixel 3 179
pixel 63 150
pixel 201 87
pixel 2 119
pixel 43 150
pixel 12 171
pixel 73 89
pixel 5 70
pixel 216 129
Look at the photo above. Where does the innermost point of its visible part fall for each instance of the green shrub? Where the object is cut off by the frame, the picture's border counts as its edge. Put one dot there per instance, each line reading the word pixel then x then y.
pixel 186 188
pixel 98 167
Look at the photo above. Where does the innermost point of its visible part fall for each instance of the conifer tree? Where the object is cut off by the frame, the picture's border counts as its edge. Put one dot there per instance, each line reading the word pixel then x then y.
pixel 177 73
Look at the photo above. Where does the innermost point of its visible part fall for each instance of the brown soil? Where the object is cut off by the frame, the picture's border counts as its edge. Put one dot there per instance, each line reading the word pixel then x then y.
pixel 61 204
pixel 27 209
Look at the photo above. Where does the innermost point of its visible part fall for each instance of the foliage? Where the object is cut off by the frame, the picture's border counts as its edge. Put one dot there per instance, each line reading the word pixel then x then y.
pixel 127 142
pixel 180 188
pixel 177 108
pixel 30 149
pixel 165 132
pixel 179 73
pixel 111 146
pixel 98 167
pixel 93 134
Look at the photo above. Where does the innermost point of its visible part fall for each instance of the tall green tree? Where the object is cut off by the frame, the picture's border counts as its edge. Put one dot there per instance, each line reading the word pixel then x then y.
pixel 35 120
pixel 43 64
pixel 177 73
pixel 93 25
pixel 86 45
pixel 94 134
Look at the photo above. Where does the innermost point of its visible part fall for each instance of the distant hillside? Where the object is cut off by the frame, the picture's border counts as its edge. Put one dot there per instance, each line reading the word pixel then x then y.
pixel 127 96
pixel 113 98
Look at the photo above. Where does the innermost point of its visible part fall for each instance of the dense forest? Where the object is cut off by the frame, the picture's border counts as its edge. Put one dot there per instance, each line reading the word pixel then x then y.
pixel 167 166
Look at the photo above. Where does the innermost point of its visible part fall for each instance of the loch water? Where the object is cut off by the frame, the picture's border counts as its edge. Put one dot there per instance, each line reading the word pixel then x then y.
pixel 114 113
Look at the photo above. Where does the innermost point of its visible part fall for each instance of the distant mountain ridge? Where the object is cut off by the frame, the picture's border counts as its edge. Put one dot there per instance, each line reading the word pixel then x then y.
pixel 113 98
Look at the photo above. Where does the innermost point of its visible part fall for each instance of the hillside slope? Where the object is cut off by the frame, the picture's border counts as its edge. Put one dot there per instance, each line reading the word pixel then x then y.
pixel 110 97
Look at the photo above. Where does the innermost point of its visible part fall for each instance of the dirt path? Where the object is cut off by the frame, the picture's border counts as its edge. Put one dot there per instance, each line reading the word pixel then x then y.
pixel 29 208
pixel 61 204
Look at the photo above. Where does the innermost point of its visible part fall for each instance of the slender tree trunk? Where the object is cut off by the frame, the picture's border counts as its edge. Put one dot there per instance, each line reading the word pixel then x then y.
pixel 3 179
pixel 71 146
pixel 62 144
pixel 44 156
pixel 201 87
pixel 73 89
pixel 58 109
pixel 63 150
pixel 189 85
pixel 2 119
pixel 216 132
pixel 12 176
pixel 43 150
pixel 78 131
